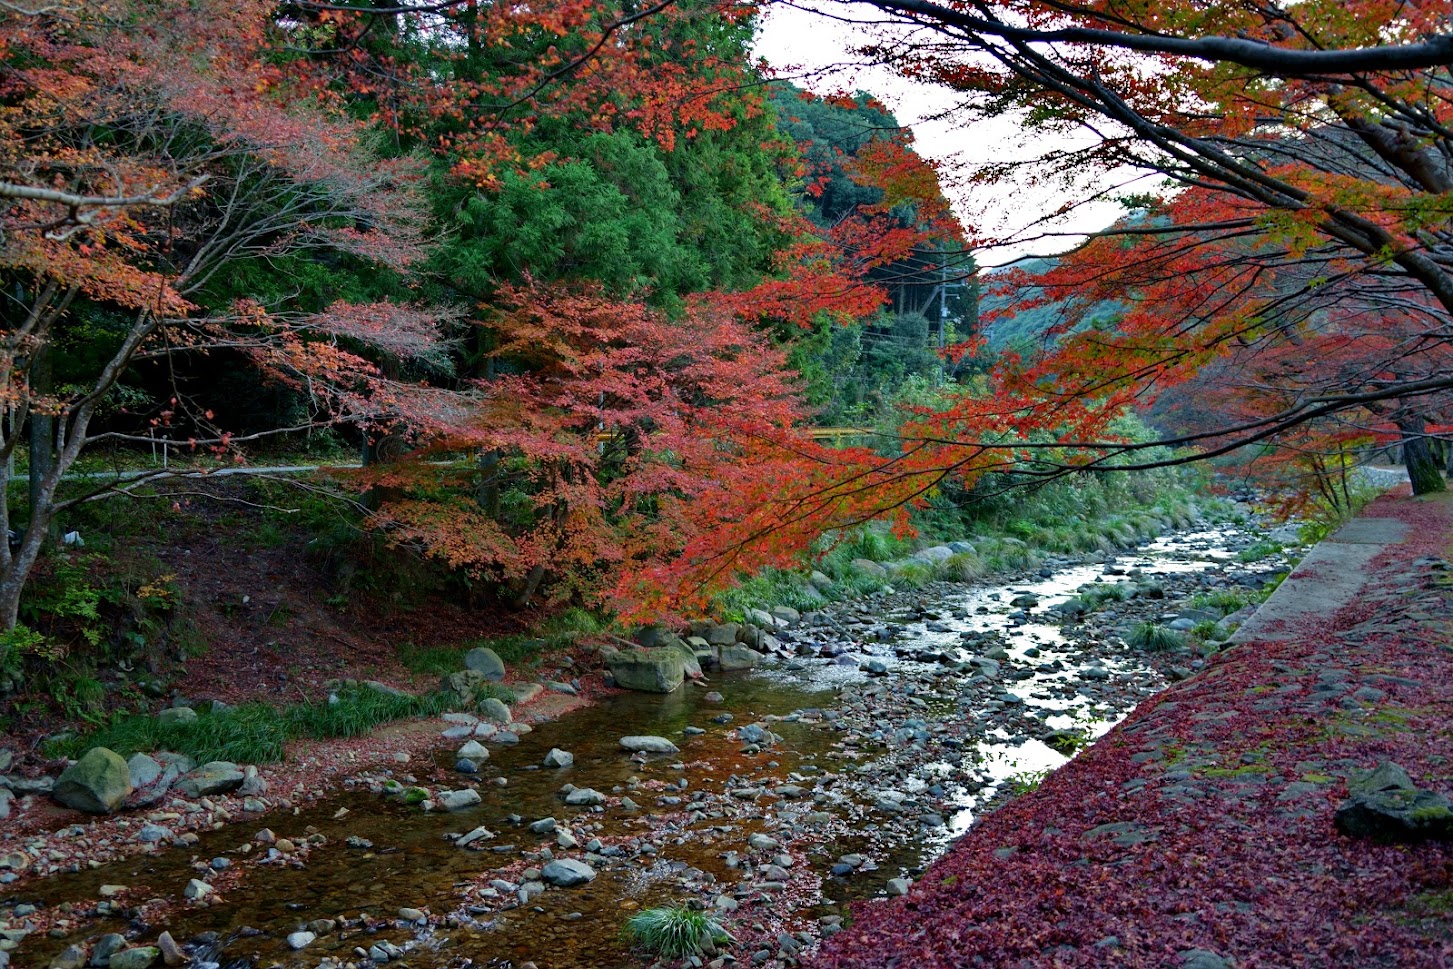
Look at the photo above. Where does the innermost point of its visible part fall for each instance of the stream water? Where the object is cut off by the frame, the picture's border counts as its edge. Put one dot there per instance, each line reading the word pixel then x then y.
pixel 885 747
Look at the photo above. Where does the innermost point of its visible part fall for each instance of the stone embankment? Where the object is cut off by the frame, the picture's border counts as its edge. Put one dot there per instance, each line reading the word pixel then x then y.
pixel 1285 806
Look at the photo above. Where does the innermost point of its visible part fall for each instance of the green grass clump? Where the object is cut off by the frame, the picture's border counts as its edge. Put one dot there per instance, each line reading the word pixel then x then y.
pixel 1261 550
pixel 1095 596
pixel 1224 601
pixel 1155 638
pixel 252 733
pixel 768 588
pixel 912 575
pixel 960 568
pixel 675 933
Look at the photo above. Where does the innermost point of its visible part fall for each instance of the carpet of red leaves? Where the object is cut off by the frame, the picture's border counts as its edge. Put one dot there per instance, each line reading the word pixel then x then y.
pixel 1200 831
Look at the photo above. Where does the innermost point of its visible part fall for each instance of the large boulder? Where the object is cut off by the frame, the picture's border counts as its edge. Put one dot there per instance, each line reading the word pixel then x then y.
pixel 723 633
pixel 786 615
pixel 493 708
pixel 484 660
pixel 97 782
pixel 658 670
pixel 216 777
pixel 869 568
pixel 1385 805
pixel 738 657
pixel 691 666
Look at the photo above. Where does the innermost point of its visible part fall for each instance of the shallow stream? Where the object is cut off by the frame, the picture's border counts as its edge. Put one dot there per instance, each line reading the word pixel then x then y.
pixel 885 747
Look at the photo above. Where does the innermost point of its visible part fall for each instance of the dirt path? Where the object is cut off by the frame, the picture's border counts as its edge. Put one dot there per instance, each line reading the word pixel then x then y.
pixel 1200 832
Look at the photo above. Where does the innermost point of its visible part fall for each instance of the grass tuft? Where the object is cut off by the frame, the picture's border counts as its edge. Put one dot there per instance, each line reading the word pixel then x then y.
pixel 1155 638
pixel 675 933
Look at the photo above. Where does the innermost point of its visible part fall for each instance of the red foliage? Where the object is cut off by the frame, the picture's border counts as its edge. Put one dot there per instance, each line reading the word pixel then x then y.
pixel 1241 856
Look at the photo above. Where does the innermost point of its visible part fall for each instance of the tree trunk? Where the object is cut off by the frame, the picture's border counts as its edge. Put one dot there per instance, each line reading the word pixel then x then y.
pixel 42 433
pixel 1424 470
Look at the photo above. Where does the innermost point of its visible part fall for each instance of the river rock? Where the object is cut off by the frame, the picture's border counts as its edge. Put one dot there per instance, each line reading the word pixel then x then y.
pixel 457 800
pixel 216 777
pixel 177 715
pixel 659 670
pixel 138 958
pixel 71 957
pixel 869 568
pixel 760 617
pixel 785 615
pixel 196 888
pixel 486 661
pixel 495 709
pixel 97 782
pixel 737 657
pixel 690 664
pixel 650 745
pixel 106 947
pixel 144 769
pixel 301 940
pixel 480 833
pixel 474 751
pixel 525 692
pixel 253 783
pixel 567 873
pixel 559 758
pixel 722 634
pixel 1387 806
pixel 584 797
pixel 464 688
pixel 171 953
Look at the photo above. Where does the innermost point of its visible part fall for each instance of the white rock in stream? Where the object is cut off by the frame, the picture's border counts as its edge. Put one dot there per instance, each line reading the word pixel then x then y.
pixel 301 940
pixel 457 800
pixel 649 745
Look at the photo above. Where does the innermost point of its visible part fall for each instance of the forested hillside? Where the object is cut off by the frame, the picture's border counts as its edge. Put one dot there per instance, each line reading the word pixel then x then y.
pixel 568 299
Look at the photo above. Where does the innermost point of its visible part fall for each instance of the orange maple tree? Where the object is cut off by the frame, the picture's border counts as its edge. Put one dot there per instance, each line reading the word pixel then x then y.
pixel 142 151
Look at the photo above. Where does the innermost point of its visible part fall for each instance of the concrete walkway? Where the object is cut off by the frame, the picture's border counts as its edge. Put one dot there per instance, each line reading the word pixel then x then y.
pixel 1328 578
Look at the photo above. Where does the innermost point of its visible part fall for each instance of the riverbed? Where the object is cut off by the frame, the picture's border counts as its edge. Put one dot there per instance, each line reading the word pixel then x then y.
pixel 831 775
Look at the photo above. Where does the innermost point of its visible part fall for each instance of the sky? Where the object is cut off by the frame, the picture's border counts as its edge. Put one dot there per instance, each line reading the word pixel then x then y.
pixel 797 42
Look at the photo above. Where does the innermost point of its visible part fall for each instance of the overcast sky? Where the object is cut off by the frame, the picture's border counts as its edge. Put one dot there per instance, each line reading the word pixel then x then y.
pixel 796 42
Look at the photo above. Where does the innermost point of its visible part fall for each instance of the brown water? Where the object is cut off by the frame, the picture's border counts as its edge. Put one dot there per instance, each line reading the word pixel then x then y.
pixel 412 864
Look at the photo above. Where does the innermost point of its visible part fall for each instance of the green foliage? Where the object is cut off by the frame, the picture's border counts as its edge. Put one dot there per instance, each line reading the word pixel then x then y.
pixel 912 575
pixel 1261 550
pixel 1026 781
pixel 960 568
pixel 770 587
pixel 252 733
pixel 1155 638
pixel 676 932
pixel 1225 601
pixel 1095 595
